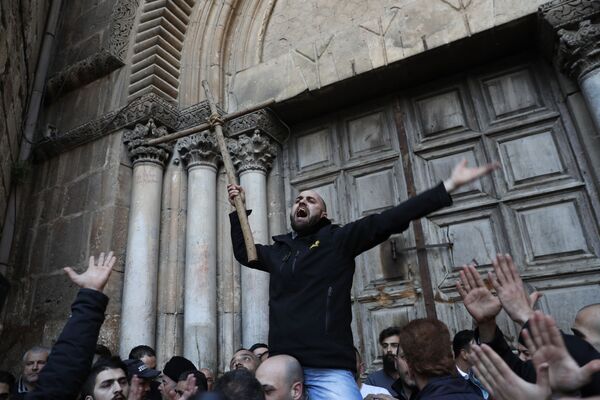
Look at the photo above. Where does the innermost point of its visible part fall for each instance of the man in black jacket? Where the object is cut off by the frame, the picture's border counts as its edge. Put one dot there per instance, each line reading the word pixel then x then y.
pixel 311 279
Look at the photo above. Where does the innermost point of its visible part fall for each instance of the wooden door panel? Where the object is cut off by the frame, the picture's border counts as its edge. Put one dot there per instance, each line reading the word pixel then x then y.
pixel 368 134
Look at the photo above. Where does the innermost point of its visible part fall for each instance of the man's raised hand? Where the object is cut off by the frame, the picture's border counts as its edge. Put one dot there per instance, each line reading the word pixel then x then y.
pixel 96 275
pixel 462 175
pixel 233 191
pixel 479 301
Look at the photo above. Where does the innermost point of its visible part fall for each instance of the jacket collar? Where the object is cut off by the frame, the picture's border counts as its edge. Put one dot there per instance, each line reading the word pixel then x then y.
pixel 288 237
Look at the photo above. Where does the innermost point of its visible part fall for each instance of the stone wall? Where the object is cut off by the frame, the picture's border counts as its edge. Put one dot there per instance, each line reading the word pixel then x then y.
pixel 21 31
pixel 80 205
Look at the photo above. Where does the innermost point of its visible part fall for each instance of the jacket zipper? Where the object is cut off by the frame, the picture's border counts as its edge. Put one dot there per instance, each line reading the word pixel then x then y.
pixel 327 305
pixel 294 261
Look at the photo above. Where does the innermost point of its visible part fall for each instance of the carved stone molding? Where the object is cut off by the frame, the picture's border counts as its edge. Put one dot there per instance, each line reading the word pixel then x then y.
pixel 579 50
pixel 252 152
pixel 109 58
pixel 199 149
pixel 562 13
pixel 140 152
pixel 264 121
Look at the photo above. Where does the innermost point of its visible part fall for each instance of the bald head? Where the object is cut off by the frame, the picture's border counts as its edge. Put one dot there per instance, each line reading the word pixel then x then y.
pixel 307 210
pixel 281 378
pixel 587 324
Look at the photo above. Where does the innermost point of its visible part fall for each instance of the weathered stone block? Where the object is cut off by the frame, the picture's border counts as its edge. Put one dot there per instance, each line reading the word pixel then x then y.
pixel 75 197
pixel 38 260
pixel 69 238
pixel 53 297
pixel 123 188
pixel 52 204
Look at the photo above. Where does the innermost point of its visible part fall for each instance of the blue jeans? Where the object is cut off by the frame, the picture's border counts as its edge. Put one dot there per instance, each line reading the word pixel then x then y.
pixel 330 384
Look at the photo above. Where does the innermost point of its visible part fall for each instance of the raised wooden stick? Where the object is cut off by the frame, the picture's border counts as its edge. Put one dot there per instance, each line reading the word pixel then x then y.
pixel 215 121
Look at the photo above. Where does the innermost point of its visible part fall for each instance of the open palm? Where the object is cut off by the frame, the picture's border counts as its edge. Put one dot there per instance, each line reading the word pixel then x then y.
pixel 479 301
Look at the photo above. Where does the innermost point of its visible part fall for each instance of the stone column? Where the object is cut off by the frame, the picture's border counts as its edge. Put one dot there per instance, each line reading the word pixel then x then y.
pixel 200 154
pixel 579 57
pixel 252 155
pixel 138 315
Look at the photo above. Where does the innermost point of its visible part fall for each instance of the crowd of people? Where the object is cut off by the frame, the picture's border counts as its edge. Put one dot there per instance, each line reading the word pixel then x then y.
pixel 312 356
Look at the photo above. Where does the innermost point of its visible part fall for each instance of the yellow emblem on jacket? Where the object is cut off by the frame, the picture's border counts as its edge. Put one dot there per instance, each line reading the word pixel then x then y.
pixel 315 244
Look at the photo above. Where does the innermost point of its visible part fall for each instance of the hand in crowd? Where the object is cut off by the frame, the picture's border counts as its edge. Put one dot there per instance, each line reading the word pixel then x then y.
pixel 509 287
pixel 96 275
pixel 547 347
pixel 462 175
pixel 233 191
pixel 136 389
pixel 502 382
pixel 190 389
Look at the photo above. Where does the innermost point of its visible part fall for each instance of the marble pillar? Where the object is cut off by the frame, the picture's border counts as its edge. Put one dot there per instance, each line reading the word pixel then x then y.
pixel 138 315
pixel 253 155
pixel 200 154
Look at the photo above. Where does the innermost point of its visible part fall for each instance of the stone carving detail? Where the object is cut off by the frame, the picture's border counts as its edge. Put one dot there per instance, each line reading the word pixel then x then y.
pixel 109 58
pixel 199 149
pixel 251 152
pixel 263 120
pixel 122 19
pixel 561 13
pixel 135 140
pixel 579 50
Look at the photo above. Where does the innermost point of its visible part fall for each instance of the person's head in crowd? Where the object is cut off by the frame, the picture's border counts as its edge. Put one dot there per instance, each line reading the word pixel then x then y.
pixel 388 340
pixel 200 381
pixel 281 378
pixel 244 358
pixel 404 374
pixel 101 352
pixel 172 371
pixel 34 361
pixel 523 352
pixel 144 353
pixel 461 347
pixel 260 350
pixel 7 384
pixel 210 378
pixel 239 384
pixel 107 381
pixel 308 209
pixel 146 374
pixel 427 350
pixel 587 324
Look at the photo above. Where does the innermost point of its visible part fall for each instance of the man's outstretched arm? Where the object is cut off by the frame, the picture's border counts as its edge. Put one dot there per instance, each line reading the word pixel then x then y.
pixel 372 230
pixel 71 357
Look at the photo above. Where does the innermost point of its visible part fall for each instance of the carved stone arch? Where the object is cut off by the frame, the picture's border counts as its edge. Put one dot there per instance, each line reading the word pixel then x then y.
pixel 223 38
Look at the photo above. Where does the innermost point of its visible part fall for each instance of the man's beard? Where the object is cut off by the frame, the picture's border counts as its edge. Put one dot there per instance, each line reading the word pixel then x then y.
pixel 389 363
pixel 312 220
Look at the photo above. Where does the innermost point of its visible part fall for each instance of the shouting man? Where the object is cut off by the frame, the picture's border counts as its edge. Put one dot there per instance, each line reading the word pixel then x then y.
pixel 311 279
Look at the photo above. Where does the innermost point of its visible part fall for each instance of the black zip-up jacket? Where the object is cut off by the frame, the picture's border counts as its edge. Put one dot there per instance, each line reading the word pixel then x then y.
pixel 70 360
pixel 311 279
pixel 448 388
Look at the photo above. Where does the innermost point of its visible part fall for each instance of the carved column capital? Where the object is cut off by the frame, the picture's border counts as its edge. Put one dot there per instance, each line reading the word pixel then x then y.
pixel 252 152
pixel 139 151
pixel 199 149
pixel 579 49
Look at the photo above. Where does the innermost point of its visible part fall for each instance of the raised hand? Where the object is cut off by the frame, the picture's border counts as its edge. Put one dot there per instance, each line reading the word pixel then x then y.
pixel 509 286
pixel 479 301
pixel 547 346
pixel 233 191
pixel 136 389
pixel 462 175
pixel 96 275
pixel 502 382
pixel 189 390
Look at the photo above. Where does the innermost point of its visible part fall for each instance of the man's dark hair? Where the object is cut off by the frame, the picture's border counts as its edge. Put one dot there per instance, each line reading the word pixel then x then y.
pixel 462 341
pixel 426 345
pixel 140 351
pixel 102 365
pixel 8 378
pixel 201 382
pixel 239 384
pixel 102 351
pixel 257 346
pixel 387 332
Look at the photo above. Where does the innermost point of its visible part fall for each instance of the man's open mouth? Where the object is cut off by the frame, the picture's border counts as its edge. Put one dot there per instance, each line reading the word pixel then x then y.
pixel 302 213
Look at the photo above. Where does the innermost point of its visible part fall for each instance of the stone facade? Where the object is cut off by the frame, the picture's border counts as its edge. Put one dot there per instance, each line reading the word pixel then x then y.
pixel 125 69
pixel 21 31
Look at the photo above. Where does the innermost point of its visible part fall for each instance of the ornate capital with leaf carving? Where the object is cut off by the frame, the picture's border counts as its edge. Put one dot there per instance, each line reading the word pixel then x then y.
pixel 579 49
pixel 252 152
pixel 135 140
pixel 199 149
